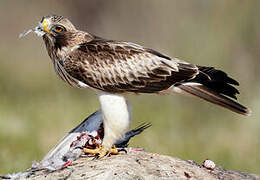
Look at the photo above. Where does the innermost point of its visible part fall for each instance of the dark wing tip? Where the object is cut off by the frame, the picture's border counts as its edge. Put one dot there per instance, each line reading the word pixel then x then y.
pixel 248 112
pixel 142 127
pixel 215 97
pixel 243 110
pixel 124 141
pixel 218 75
pixel 232 81
pixel 217 80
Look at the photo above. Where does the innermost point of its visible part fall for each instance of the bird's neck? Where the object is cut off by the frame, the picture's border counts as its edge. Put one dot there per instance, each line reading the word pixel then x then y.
pixel 60 46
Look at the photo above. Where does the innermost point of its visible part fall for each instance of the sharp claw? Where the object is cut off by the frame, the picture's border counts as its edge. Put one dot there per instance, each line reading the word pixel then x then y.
pixel 78 147
pixel 95 157
pixel 99 153
pixel 123 149
pixel 103 152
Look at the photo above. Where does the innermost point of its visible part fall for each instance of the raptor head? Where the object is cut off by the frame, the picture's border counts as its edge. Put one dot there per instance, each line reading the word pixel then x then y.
pixel 55 26
pixel 58 31
pixel 59 35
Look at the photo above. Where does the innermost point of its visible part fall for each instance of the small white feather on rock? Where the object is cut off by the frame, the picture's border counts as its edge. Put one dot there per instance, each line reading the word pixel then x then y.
pixel 209 164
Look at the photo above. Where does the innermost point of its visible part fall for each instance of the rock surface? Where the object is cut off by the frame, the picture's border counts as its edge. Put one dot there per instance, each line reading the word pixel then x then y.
pixel 139 165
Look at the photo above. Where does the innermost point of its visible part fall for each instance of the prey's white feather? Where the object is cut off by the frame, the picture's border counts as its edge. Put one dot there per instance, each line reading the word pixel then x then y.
pixel 38 30
pixel 25 33
pixel 116 117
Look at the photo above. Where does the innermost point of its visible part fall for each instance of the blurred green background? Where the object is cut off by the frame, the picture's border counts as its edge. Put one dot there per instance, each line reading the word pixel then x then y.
pixel 37 108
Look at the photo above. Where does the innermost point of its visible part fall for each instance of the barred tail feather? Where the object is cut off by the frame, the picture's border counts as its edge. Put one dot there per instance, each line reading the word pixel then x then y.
pixel 212 96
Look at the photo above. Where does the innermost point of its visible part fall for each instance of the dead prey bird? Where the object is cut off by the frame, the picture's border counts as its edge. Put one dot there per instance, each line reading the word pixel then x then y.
pixel 89 134
pixel 114 68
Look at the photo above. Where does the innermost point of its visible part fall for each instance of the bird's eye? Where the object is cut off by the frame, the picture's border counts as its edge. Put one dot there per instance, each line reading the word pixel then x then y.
pixel 58 29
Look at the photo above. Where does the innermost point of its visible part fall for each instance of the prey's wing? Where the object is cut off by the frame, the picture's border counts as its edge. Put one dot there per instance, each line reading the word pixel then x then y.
pixel 61 153
pixel 123 142
pixel 116 67
pixel 55 158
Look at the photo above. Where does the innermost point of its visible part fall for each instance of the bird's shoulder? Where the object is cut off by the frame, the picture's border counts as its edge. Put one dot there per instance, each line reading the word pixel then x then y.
pixel 98 44
pixel 107 51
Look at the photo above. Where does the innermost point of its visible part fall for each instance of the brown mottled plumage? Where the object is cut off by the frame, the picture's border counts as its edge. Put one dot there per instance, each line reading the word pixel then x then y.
pixel 119 67
pixel 114 67
pixel 85 60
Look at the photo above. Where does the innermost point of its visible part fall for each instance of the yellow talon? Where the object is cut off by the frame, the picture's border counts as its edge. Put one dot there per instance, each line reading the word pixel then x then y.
pixel 101 151
pixel 114 150
pixel 91 151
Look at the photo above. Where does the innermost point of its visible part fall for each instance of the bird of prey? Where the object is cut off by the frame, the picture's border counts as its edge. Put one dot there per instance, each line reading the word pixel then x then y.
pixel 115 68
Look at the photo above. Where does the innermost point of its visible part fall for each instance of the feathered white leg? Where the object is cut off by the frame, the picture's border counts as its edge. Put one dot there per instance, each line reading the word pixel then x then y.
pixel 116 118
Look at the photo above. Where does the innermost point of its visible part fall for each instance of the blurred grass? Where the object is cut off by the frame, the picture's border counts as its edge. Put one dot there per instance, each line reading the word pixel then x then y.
pixel 37 109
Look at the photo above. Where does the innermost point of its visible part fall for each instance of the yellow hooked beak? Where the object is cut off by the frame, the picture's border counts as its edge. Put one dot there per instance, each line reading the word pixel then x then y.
pixel 45 25
pixel 40 30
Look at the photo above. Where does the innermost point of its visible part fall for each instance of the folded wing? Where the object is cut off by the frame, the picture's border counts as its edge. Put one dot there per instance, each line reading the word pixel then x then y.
pixel 118 67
